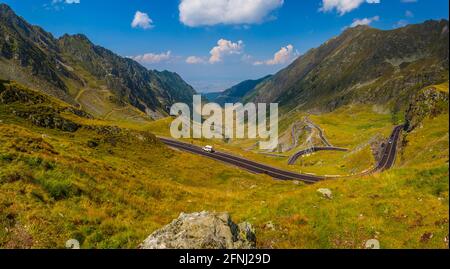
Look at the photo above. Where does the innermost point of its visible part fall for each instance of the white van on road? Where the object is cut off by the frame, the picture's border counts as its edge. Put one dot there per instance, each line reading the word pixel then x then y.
pixel 209 149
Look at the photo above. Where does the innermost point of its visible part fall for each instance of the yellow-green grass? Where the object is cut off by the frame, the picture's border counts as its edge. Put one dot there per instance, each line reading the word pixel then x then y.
pixel 55 186
pixel 354 125
pixel 427 145
pixel 159 127
pixel 335 163
pixel 349 127
pixel 442 87
pixel 108 196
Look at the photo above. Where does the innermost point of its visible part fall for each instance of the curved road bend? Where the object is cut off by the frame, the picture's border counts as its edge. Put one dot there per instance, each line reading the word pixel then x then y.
pixel 386 162
pixel 321 134
pixel 389 155
pixel 293 159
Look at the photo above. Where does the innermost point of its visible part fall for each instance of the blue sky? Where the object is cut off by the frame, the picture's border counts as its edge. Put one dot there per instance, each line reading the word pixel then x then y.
pixel 184 36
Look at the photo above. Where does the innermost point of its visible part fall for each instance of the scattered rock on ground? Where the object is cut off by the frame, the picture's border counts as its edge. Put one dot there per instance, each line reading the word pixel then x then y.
pixel 326 193
pixel 426 237
pixel 203 230
pixel 269 225
pixel 373 244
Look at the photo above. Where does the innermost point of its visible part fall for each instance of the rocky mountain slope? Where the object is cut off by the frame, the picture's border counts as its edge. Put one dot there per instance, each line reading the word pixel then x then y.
pixel 362 65
pixel 75 70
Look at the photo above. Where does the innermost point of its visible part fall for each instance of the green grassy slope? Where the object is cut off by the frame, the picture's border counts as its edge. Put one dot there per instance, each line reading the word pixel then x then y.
pixel 111 187
pixel 351 127
pixel 385 67
pixel 79 72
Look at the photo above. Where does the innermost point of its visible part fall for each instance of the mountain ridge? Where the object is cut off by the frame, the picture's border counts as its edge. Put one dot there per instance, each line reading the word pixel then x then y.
pixel 68 66
pixel 237 92
pixel 375 66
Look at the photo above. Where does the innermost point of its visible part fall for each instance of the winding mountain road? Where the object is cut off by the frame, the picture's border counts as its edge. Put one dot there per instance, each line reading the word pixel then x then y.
pixel 300 153
pixel 390 152
pixel 240 162
pixel 385 163
pixel 321 134
pixel 328 146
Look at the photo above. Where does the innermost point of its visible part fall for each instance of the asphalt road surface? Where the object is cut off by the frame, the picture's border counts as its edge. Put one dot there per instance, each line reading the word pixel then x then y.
pixel 298 154
pixel 390 151
pixel 385 163
pixel 321 134
pixel 251 166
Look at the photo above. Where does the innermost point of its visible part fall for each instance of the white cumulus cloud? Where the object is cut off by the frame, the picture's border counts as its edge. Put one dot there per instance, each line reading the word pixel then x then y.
pixel 211 12
pixel 195 60
pixel 344 6
pixel 66 1
pixel 142 20
pixel 59 4
pixel 225 47
pixel 364 21
pixel 151 58
pixel 284 55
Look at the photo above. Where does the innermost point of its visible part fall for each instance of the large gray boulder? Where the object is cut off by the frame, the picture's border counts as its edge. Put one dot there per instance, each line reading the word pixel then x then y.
pixel 203 230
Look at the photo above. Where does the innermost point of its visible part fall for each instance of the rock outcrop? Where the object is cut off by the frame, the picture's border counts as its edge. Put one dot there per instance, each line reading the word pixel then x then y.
pixel 429 102
pixel 326 193
pixel 203 230
pixel 39 109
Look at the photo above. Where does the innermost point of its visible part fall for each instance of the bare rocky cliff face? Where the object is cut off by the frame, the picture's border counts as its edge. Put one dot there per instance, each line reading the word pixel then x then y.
pixel 202 230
